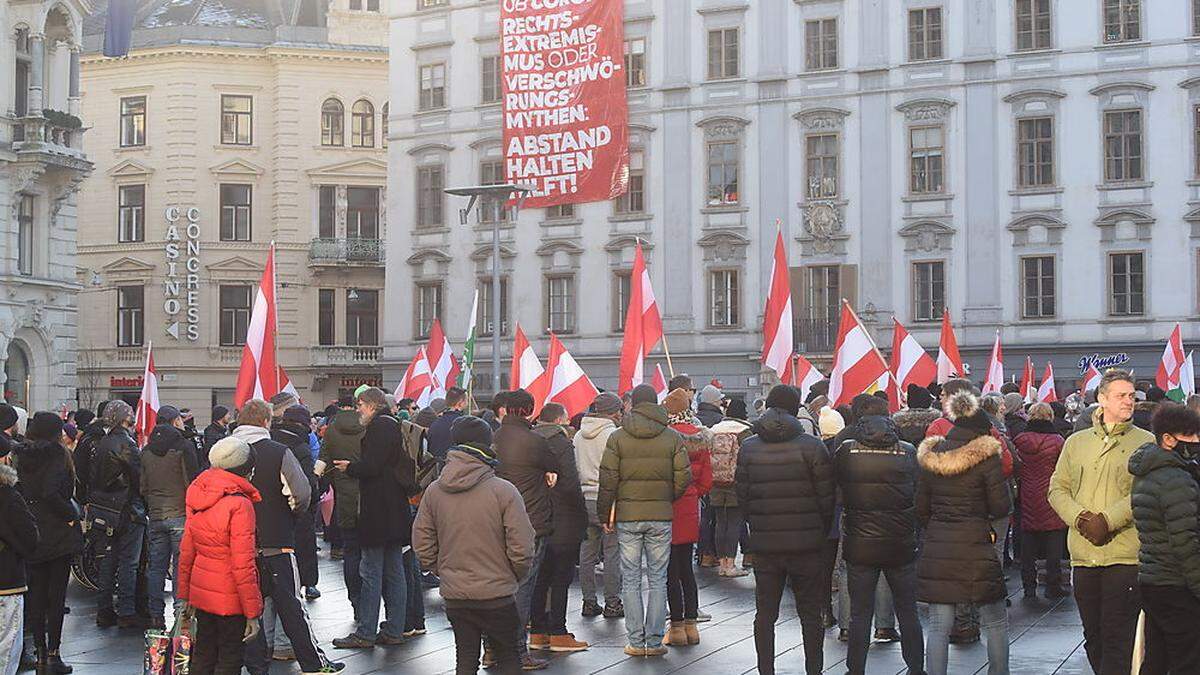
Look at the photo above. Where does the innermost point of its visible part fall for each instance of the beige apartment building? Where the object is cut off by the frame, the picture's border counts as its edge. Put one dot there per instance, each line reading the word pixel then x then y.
pixel 232 124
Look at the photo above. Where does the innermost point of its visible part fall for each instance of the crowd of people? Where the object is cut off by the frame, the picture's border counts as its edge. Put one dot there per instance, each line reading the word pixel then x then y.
pixel 863 513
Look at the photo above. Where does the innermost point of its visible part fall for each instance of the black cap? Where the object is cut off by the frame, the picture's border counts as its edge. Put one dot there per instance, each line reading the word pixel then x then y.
pixel 218 412
pixel 785 397
pixel 472 431
pixel 298 414
pixel 44 426
pixel 8 416
pixel 167 414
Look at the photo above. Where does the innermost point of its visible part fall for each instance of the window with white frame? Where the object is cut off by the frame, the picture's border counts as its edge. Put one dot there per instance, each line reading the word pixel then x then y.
pixel 1035 152
pixel 1127 289
pixel 723 298
pixel 821 163
pixel 430 198
pixel 432 95
pixel 1122 20
pixel 724 54
pixel 362 317
pixel 1033 25
pixel 491 172
pixel 925 34
pixel 362 213
pixel 927 148
pixel 1123 148
pixel 1195 17
pixel 235 212
pixel 490 85
pixel 724 165
pixel 133 121
pixel 362 124
pixel 327 211
pixel 820 44
pixel 237 120
pixel 235 314
pixel 333 116
pixel 560 212
pixel 485 305
pixel 1037 287
pixel 560 303
pixel 130 316
pixel 929 290
pixel 635 62
pixel 428 306
pixel 620 299
pixel 634 199
pixel 131 213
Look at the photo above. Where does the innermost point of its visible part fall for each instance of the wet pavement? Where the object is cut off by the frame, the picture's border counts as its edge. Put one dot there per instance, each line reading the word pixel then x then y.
pixel 1046 638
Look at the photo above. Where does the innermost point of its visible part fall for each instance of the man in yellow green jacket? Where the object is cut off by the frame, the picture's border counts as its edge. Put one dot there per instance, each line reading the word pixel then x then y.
pixel 1090 491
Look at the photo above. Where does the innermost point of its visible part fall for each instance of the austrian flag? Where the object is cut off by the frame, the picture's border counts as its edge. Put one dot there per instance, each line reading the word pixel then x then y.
pixel 569 385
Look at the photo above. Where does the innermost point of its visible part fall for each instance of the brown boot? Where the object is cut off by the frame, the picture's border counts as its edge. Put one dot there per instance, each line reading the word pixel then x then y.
pixel 693 634
pixel 707 560
pixel 676 635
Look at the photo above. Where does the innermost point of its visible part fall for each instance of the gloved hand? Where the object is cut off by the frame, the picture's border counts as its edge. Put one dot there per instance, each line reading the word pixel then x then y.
pixel 252 628
pixel 1093 527
pixel 187 613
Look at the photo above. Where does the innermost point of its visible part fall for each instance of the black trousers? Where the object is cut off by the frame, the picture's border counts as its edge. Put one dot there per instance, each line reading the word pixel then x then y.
pixel 548 611
pixel 863 582
pixel 828 566
pixel 283 586
pixel 1171 644
pixel 47 596
pixel 1109 603
pixel 218 648
pixel 351 561
pixel 1046 545
pixel 804 572
pixel 501 625
pixel 682 595
pixel 305 532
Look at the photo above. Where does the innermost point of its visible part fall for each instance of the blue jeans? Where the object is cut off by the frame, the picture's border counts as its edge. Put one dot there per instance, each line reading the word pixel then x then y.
pixel 120 568
pixel 993 624
pixel 644 623
pixel 165 536
pixel 382 580
pixel 524 596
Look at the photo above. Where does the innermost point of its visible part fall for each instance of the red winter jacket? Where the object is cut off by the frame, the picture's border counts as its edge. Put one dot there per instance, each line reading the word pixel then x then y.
pixel 216 557
pixel 685 522
pixel 942 426
pixel 1039 447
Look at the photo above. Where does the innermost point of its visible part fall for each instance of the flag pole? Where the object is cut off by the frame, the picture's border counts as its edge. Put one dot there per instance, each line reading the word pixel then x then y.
pixel 275 300
pixel 667 351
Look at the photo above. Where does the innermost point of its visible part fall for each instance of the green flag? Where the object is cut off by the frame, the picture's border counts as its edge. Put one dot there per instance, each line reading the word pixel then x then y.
pixel 468 353
pixel 1187 382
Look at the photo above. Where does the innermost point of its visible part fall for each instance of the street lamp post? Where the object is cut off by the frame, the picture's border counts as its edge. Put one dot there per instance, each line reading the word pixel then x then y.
pixel 496 197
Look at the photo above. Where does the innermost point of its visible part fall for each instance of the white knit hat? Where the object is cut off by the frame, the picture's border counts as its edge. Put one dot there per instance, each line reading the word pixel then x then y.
pixel 830 422
pixel 229 453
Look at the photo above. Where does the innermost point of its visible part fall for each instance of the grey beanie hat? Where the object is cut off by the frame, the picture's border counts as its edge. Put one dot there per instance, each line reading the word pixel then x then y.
pixel 229 453
pixel 116 413
pixel 606 403
pixel 710 394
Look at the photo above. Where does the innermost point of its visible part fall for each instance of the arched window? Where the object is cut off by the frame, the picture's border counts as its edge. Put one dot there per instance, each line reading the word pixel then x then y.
pixel 362 124
pixel 332 122
pixel 383 125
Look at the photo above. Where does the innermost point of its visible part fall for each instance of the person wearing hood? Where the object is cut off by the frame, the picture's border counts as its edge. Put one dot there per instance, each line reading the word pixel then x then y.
pixel 343 440
pixel 47 482
pixel 549 620
pixel 1015 417
pixel 472 531
pixel 18 542
pixel 8 428
pixel 785 487
pixel 217 429
pixel 285 493
pixel 728 436
pixel 961 494
pixel 292 425
pixel 218 581
pixel 168 466
pixel 1090 490
pixel 644 470
pixel 594 430
pixel 1042 531
pixel 913 421
pixel 1166 500
pixel 709 411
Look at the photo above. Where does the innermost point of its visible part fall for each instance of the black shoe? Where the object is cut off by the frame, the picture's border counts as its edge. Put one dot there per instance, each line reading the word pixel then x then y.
pixel 886 635
pixel 353 641
pixel 56 666
pixel 843 635
pixel 311 593
pixel 1030 593
pixel 591 608
pixel 614 610
pixel 106 618
pixel 1056 593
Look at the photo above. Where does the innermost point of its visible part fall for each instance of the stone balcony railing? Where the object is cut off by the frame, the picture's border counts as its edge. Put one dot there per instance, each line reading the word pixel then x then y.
pixel 350 251
pixel 345 355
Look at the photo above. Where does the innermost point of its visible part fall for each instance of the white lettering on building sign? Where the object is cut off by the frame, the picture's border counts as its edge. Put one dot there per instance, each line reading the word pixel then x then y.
pixel 182 286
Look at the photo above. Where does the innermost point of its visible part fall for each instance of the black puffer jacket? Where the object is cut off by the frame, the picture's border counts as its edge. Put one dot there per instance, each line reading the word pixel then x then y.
pixel 525 460
pixel 570 511
pixel 117 474
pixel 960 492
pixel 18 534
pixel 1166 501
pixel 46 483
pixel 784 483
pixel 168 467
pixel 912 423
pixel 710 415
pixel 877 476
pixel 85 451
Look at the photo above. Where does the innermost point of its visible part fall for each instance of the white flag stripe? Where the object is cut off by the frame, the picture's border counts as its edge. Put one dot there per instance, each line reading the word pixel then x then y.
pixel 531 367
pixel 910 352
pixel 781 347
pixel 566 372
pixel 857 345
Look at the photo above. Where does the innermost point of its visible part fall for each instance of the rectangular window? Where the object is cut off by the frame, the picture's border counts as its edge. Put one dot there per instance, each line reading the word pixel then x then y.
pixel 485 306
pixel 925 34
pixel 1122 145
pixel 428 307
pixel 1033 25
pixel 131 213
pixel 929 290
pixel 491 172
pixel 821 294
pixel 820 44
pixel 723 168
pixel 430 198
pixel 355 5
pixel 1035 152
pixel 372 5
pixel 1122 20
pixel 1127 284
pixel 1037 287
pixel 130 316
pixel 821 162
pixel 560 303
pixel 560 212
pixel 430 4
pixel 25 235
pixel 433 87
pixel 327 212
pixel 723 297
pixel 723 54
pixel 133 121
pixel 235 314
pixel 926 155
pixel 634 199
pixel 362 317
pixel 235 212
pixel 635 62
pixel 362 213
pixel 491 87
pixel 620 295
pixel 237 117
pixel 326 313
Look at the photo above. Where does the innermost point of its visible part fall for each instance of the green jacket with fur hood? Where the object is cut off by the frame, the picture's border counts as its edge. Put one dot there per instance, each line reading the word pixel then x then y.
pixel 645 468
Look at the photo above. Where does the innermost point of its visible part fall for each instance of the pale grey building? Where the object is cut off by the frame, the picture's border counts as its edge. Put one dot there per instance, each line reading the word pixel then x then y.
pixel 1032 165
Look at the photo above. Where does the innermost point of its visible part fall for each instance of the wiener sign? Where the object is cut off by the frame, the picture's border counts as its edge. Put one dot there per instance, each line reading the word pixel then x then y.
pixel 565 117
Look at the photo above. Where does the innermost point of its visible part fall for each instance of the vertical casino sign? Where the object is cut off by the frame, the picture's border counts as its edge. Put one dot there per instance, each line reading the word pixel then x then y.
pixel 181 290
pixel 566 123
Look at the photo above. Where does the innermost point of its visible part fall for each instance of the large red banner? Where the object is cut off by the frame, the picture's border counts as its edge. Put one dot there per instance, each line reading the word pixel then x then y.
pixel 566 126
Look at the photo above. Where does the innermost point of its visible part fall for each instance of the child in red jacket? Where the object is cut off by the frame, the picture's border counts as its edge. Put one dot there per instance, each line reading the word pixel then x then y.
pixel 218 579
pixel 682 594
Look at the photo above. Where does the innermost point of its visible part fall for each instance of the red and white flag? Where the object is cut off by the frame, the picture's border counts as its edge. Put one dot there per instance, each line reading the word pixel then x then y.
pixel 443 367
pixel 569 385
pixel 147 406
pixel 1091 379
pixel 910 365
pixel 417 382
pixel 995 369
pixel 949 363
pixel 1167 377
pixel 643 326
pixel 258 376
pixel 804 375
pixel 659 383
pixel 1046 392
pixel 526 371
pixel 285 384
pixel 857 363
pixel 1028 388
pixel 777 317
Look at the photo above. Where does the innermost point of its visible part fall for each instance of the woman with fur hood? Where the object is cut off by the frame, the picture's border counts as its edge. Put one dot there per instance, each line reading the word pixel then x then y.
pixel 961 491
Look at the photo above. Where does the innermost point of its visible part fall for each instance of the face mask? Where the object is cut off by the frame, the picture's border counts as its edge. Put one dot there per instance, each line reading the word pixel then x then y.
pixel 1188 450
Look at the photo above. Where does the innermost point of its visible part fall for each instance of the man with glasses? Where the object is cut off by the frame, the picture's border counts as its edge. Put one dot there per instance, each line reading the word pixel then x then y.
pixel 1090 491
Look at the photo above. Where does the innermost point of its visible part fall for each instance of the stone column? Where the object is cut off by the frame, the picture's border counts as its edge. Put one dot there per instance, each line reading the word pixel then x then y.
pixel 37 51
pixel 73 91
pixel 877 241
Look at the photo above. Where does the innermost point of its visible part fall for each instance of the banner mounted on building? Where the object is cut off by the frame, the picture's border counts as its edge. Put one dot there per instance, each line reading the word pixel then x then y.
pixel 566 130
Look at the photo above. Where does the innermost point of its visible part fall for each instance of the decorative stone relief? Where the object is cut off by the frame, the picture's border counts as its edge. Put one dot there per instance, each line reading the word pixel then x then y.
pixel 724 246
pixel 927 236
pixel 1048 226
pixel 723 128
pixel 822 119
pixel 824 228
pixel 1124 224
pixel 926 109
pixel 340 205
